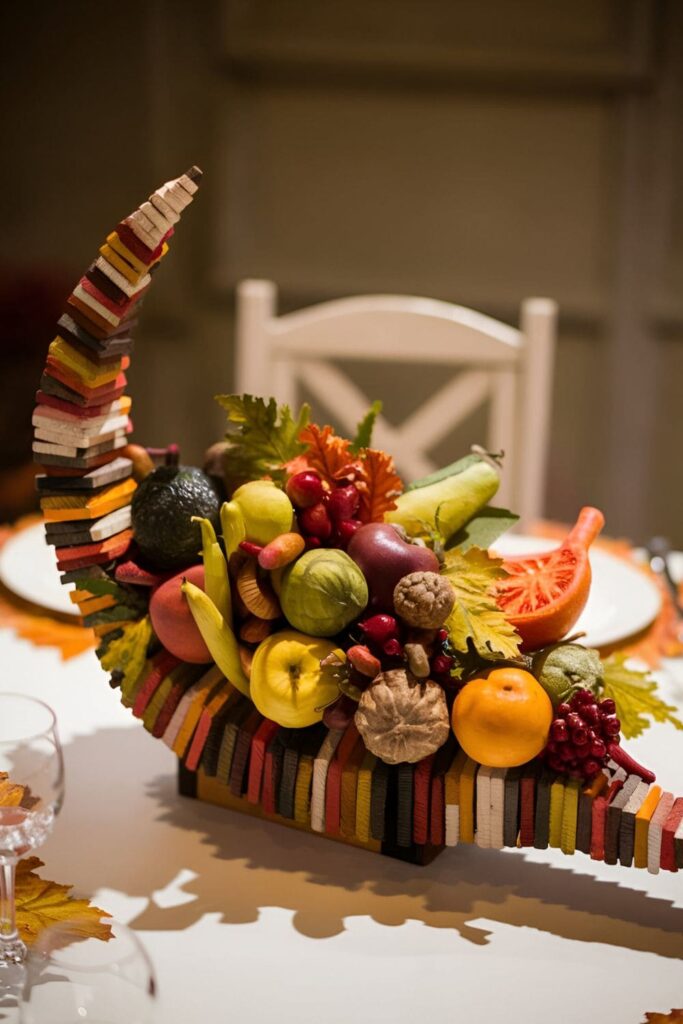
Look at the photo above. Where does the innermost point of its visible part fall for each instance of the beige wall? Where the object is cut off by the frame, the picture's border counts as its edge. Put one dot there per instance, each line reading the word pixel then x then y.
pixel 477 152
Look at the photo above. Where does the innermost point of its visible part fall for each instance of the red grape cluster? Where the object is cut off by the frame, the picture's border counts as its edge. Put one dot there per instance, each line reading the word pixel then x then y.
pixel 581 735
pixel 325 518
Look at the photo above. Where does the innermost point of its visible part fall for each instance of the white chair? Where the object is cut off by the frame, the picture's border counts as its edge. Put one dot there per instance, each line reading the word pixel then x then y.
pixel 511 368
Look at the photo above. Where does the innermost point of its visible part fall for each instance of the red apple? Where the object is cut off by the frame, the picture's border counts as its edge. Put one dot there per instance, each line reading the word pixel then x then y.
pixel 384 558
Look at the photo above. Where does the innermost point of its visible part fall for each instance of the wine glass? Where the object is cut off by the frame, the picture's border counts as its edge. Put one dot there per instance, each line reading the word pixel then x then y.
pixel 71 979
pixel 31 756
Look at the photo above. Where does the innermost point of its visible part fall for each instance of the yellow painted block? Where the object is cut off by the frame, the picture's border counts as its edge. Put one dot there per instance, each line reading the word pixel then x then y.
pixel 92 374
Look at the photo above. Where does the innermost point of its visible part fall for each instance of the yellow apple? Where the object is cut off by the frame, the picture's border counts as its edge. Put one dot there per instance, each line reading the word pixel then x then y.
pixel 288 684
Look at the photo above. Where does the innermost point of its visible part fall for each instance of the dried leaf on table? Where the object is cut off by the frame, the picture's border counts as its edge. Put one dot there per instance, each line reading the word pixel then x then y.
pixel 674 1017
pixel 635 695
pixel 378 487
pixel 329 454
pixel 476 619
pixel 41 903
pixel 263 437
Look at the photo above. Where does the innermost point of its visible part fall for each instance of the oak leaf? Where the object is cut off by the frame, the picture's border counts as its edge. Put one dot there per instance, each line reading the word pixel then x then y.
pixel 263 438
pixel 476 619
pixel 675 1017
pixel 378 485
pixel 40 903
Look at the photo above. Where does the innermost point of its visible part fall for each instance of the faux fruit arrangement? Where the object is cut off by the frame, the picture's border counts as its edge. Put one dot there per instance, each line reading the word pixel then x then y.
pixel 326 591
pixel 331 644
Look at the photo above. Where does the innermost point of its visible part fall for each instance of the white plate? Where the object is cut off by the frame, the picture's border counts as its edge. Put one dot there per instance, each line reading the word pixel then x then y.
pixel 622 599
pixel 28 568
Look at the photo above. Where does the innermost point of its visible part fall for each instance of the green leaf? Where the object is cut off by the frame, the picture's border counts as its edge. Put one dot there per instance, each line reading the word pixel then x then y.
pixel 363 438
pixel 476 619
pixel 485 528
pixel 263 437
pixel 635 695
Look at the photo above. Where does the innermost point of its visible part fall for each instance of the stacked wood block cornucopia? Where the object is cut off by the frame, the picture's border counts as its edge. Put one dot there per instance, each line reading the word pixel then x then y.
pixel 319 644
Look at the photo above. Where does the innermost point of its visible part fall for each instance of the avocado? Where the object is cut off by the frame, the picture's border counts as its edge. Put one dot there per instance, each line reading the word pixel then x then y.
pixel 162 511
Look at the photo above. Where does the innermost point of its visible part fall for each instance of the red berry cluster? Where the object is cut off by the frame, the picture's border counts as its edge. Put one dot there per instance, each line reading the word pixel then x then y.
pixel 382 633
pixel 581 735
pixel 326 518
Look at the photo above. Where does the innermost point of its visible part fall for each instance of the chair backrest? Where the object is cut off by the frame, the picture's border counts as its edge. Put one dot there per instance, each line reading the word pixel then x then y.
pixel 490 361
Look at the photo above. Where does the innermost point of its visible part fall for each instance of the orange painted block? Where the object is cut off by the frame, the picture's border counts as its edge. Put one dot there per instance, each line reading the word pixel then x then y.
pixel 68 508
pixel 643 818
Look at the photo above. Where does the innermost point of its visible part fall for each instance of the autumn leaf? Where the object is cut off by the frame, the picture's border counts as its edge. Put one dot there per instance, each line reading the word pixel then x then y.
pixel 128 653
pixel 329 454
pixel 378 485
pixel 40 903
pixel 476 618
pixel 263 437
pixel 675 1017
pixel 11 794
pixel 364 429
pixel 635 695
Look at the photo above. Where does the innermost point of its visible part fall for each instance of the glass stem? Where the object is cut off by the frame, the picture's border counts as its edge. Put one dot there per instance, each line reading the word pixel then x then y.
pixel 8 917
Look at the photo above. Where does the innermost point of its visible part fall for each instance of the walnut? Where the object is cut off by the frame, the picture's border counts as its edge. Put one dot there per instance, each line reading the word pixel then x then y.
pixel 424 599
pixel 401 718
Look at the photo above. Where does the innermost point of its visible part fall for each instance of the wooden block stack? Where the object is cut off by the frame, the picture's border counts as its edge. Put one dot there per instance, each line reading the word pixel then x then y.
pixel 82 416
pixel 326 782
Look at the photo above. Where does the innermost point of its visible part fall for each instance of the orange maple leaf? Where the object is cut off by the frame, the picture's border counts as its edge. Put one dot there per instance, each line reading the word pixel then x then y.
pixel 664 1018
pixel 329 454
pixel 379 485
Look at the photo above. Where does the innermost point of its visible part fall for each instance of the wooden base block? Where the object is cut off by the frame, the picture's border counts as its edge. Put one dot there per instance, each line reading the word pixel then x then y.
pixel 208 789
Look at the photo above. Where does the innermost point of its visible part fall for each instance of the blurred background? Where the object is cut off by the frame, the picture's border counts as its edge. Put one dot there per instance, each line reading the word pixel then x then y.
pixel 478 152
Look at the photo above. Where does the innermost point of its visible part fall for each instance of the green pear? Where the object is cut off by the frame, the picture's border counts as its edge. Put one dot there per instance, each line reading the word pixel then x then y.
pixel 447 500
pixel 259 511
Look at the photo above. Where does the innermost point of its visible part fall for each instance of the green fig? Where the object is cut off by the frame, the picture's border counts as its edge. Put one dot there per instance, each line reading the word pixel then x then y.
pixel 564 668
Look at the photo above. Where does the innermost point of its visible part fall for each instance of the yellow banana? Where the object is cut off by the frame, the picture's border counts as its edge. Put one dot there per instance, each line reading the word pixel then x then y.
pixel 216 582
pixel 217 635
pixel 232 523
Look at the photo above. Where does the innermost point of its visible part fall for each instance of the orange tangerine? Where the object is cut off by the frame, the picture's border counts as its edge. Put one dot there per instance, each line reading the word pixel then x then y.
pixel 502 718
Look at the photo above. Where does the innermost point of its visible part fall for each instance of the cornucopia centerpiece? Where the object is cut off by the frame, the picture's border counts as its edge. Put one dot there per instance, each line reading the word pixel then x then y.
pixel 319 643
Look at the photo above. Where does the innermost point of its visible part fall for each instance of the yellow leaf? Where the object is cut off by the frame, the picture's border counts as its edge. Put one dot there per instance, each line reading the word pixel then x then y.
pixel 11 794
pixel 476 617
pixel 128 653
pixel 41 903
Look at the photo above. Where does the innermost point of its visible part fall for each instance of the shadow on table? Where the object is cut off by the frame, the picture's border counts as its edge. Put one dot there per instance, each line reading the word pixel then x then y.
pixel 140 838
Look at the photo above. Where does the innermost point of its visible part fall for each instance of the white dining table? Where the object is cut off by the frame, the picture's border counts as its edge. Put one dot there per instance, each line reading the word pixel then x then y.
pixel 252 922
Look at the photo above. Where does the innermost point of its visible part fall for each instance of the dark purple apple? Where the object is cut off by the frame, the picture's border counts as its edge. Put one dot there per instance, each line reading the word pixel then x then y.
pixel 384 558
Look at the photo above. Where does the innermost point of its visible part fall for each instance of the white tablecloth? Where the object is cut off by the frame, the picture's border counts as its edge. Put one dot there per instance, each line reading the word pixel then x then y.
pixel 247 921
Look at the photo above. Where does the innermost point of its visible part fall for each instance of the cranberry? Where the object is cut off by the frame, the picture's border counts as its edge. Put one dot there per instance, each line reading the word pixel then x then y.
pixel 591 767
pixel 346 530
pixel 316 522
pixel 563 710
pixel 611 725
pixel 305 489
pixel 607 706
pixel 598 749
pixel 441 664
pixel 380 628
pixel 442 636
pixel 343 503
pixel 558 730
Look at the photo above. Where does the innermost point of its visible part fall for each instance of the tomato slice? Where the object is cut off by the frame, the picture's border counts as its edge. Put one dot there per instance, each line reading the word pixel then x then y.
pixel 537 581
pixel 543 595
